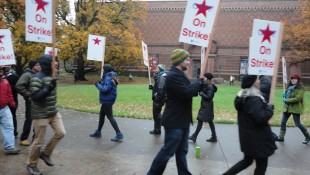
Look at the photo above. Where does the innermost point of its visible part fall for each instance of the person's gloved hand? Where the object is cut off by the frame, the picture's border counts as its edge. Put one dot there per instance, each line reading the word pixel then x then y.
pixel 151 87
pixel 284 100
pixel 52 85
pixel 283 94
pixel 201 94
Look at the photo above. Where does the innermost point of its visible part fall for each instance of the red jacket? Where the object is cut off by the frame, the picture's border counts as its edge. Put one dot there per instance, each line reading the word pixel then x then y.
pixel 6 97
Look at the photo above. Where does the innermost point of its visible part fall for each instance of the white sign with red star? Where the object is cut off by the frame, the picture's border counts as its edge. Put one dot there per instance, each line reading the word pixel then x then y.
pixel 39 21
pixel 96 48
pixel 198 22
pixel 6 48
pixel 145 54
pixel 265 46
pixel 49 51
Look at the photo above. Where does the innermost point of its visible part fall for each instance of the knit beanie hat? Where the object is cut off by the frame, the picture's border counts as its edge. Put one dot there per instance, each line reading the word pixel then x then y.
pixel 295 76
pixel 208 75
pixel 32 63
pixel 108 68
pixel 248 81
pixel 178 56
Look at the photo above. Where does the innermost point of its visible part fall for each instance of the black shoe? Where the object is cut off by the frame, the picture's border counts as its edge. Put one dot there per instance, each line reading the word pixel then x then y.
pixel 12 151
pixel 279 139
pixel 33 170
pixel 192 138
pixel 212 139
pixel 46 159
pixel 155 132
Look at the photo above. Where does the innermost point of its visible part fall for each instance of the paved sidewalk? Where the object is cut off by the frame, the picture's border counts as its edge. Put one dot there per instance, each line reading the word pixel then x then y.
pixel 79 154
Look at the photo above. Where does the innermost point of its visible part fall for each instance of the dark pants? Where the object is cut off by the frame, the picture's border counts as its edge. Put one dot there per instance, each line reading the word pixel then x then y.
pixel 261 165
pixel 157 115
pixel 296 118
pixel 199 126
pixel 106 110
pixel 13 111
pixel 176 142
pixel 28 121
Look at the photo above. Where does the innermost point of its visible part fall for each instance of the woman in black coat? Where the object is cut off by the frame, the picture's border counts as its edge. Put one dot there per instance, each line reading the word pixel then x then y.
pixel 206 113
pixel 255 134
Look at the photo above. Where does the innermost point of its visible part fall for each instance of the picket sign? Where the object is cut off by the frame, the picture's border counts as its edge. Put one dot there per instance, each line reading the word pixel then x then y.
pixel 265 48
pixel 96 49
pixel 145 54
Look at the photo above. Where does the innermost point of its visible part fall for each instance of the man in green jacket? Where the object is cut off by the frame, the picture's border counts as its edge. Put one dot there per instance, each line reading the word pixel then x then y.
pixel 22 87
pixel 44 112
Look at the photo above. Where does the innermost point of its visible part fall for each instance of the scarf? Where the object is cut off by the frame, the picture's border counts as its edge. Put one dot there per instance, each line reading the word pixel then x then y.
pixel 288 93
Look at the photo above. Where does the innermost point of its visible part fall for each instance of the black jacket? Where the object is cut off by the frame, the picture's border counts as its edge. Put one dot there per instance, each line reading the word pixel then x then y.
pixel 254 131
pixel 206 112
pixel 180 92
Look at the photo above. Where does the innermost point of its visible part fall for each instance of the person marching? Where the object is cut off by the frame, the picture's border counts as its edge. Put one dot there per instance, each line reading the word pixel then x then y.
pixel 206 111
pixel 293 105
pixel 108 93
pixel 255 134
pixel 177 115
pixel 44 112
pixel 12 77
pixel 22 87
pixel 158 96
pixel 6 118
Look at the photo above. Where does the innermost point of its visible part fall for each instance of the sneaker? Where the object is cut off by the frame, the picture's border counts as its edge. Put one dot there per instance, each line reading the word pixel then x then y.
pixel 212 139
pixel 118 137
pixel 33 170
pixel 24 143
pixel 96 134
pixel 46 159
pixel 12 151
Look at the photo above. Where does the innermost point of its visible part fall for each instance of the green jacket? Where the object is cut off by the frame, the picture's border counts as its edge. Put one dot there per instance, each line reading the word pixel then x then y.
pixel 22 85
pixel 295 101
pixel 43 101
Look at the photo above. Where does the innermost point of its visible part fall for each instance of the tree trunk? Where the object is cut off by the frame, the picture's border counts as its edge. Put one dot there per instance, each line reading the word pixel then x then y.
pixel 79 73
pixel 19 66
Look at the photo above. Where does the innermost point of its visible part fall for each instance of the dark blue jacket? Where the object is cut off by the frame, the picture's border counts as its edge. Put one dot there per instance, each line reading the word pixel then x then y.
pixel 180 92
pixel 107 88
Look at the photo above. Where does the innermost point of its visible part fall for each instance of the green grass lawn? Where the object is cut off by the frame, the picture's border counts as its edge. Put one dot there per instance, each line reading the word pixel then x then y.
pixel 134 101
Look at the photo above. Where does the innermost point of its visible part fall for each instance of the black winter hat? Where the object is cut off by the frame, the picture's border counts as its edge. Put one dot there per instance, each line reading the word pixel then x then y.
pixel 108 68
pixel 208 75
pixel 45 63
pixel 248 81
pixel 32 63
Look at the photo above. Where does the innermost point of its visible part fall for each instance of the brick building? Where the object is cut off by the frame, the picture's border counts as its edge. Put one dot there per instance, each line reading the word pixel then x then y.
pixel 230 45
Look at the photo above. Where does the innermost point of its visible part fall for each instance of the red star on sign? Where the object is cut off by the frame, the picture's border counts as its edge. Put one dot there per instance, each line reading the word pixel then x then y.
pixel 1 36
pixel 267 33
pixel 50 52
pixel 202 8
pixel 96 41
pixel 41 5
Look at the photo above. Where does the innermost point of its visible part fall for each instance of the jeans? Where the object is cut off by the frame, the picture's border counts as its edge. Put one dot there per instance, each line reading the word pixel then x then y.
pixel 296 118
pixel 7 128
pixel 40 128
pixel 28 121
pixel 106 110
pixel 261 166
pixel 176 142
